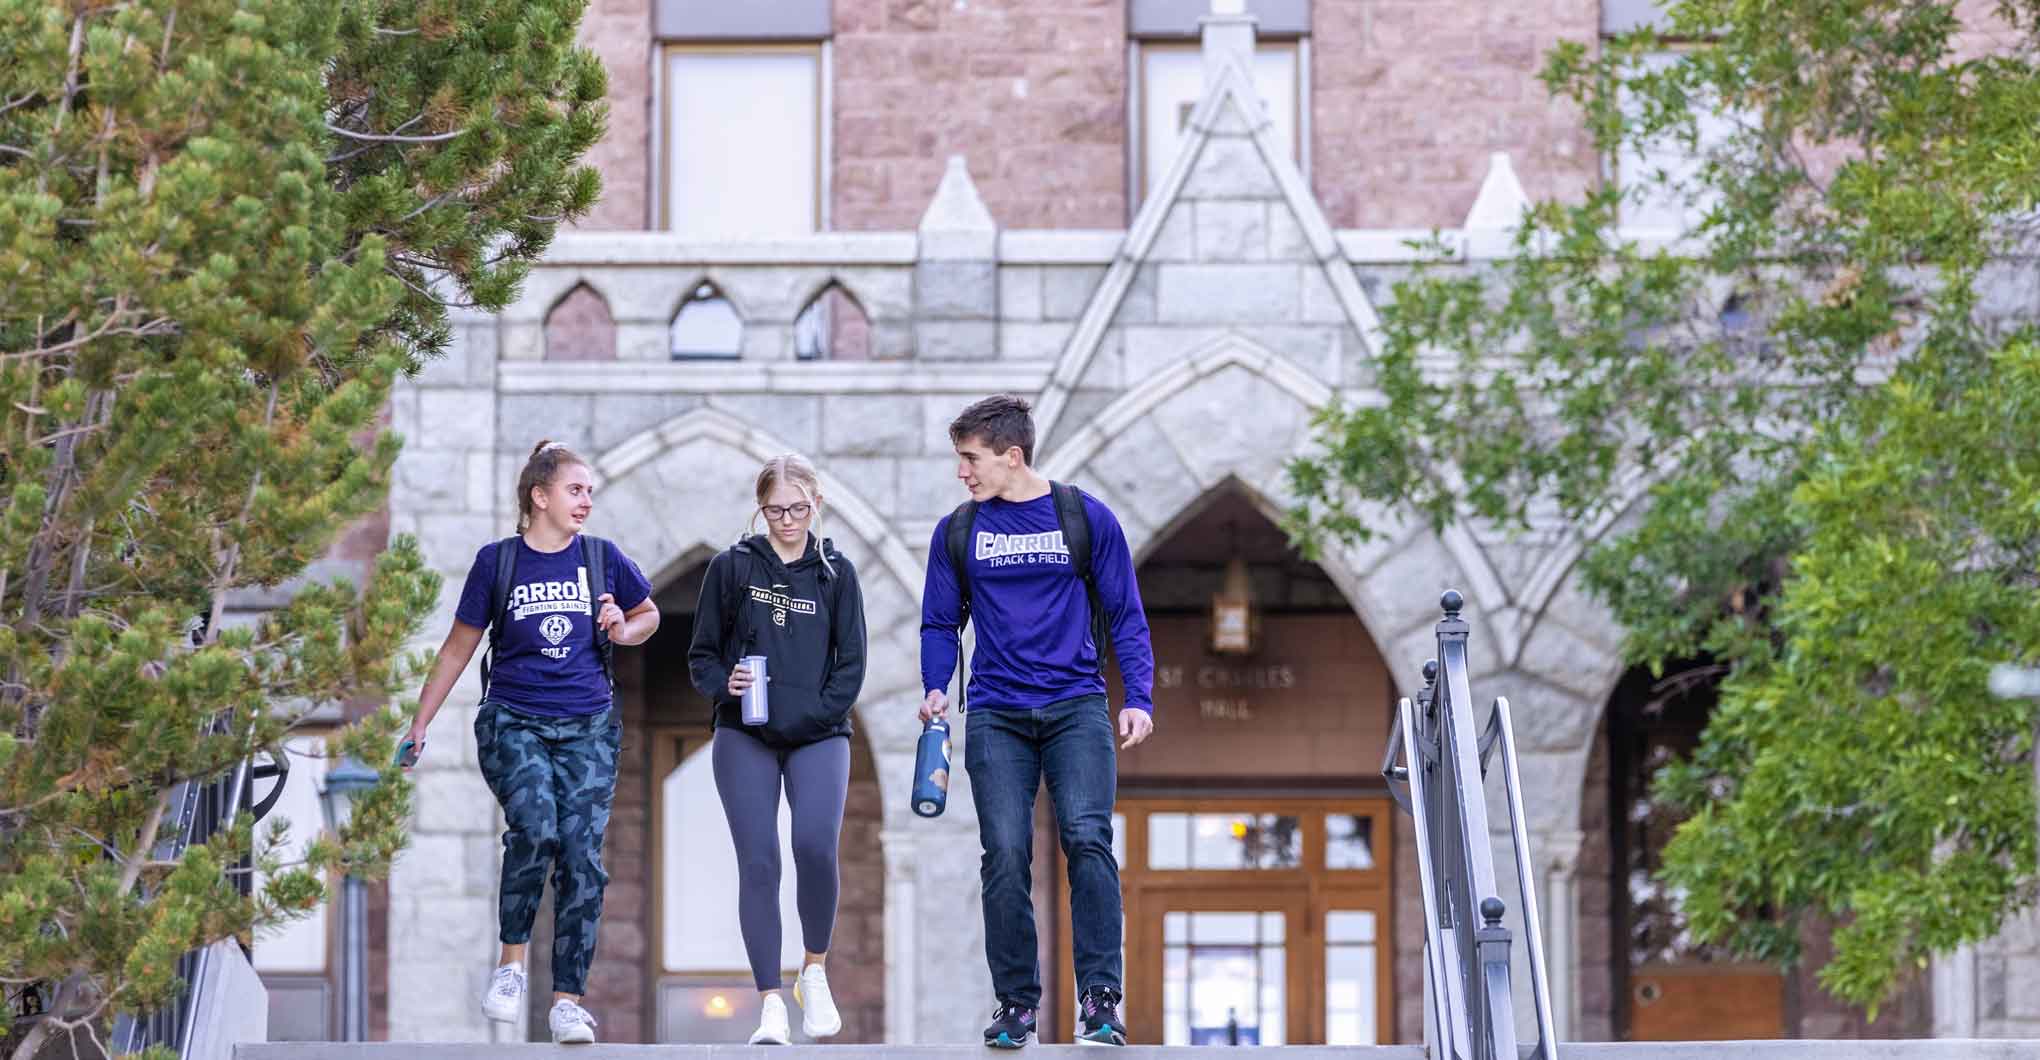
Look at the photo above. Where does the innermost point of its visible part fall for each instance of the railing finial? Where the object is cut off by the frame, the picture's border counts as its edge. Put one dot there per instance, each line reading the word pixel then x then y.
pixel 1491 910
pixel 1453 603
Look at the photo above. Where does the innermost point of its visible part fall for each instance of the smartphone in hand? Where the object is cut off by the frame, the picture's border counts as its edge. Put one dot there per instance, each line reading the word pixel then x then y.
pixel 407 753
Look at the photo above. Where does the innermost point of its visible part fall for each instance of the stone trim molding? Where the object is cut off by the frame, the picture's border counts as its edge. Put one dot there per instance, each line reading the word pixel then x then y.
pixel 777 377
pixel 719 426
pixel 720 20
pixel 1229 350
pixel 1229 99
pixel 666 249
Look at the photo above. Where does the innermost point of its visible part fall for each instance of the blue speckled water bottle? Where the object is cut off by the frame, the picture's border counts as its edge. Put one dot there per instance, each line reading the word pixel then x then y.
pixel 931 769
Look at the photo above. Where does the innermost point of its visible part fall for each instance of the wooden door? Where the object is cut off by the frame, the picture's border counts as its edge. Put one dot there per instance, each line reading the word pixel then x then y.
pixel 1309 894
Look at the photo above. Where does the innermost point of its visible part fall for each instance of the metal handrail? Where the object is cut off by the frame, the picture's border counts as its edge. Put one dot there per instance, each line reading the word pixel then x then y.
pixel 1519 826
pixel 1436 766
pixel 203 809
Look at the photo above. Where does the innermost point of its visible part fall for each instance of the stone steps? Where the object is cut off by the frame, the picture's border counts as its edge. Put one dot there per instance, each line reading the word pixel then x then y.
pixel 1941 1049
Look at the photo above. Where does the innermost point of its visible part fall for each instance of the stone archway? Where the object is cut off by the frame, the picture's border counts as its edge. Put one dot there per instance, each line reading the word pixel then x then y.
pixel 681 490
pixel 686 485
pixel 1236 409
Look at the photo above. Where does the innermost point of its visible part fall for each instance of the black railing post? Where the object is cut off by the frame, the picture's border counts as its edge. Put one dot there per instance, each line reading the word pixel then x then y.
pixel 1444 759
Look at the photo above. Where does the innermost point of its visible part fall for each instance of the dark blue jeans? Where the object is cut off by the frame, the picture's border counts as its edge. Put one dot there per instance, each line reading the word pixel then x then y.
pixel 1008 753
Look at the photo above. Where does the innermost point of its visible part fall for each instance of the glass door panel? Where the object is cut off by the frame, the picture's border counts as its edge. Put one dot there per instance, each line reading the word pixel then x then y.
pixel 1224 978
pixel 1351 958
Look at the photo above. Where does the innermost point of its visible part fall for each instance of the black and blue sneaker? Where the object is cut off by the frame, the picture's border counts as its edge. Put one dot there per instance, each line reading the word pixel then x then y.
pixel 1100 1024
pixel 1011 1026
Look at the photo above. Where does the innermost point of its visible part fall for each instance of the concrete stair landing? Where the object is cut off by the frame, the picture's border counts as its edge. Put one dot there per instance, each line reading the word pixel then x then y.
pixel 1943 1049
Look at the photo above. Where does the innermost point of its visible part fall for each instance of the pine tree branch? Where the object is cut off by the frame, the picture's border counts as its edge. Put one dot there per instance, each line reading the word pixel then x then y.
pixel 107 329
pixel 32 1043
pixel 434 138
pixel 146 843
pixel 42 180
pixel 224 579
pixel 62 476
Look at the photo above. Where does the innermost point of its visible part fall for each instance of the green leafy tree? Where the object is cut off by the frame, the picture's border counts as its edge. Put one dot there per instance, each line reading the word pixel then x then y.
pixel 1829 394
pixel 226 230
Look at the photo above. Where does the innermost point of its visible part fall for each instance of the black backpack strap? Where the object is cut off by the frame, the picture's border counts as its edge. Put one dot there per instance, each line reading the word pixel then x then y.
pixel 1075 524
pixel 595 557
pixel 956 539
pixel 499 603
pixel 736 605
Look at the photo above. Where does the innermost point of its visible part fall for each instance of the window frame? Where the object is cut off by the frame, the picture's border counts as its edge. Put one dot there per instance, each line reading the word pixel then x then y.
pixel 661 199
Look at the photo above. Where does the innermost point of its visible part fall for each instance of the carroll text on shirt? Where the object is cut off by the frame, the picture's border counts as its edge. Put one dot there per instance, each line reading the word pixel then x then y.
pixel 540 598
pixel 996 546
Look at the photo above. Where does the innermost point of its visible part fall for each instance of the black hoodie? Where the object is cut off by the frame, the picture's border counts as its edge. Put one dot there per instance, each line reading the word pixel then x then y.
pixel 807 619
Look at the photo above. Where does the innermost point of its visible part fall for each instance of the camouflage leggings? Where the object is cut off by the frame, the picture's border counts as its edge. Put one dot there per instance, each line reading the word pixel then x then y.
pixel 555 778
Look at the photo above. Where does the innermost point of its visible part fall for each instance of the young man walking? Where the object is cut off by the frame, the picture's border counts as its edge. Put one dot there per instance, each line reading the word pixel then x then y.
pixel 1044 571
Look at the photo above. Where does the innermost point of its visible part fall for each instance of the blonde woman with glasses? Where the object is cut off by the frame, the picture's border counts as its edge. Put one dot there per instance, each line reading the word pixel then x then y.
pixel 788 595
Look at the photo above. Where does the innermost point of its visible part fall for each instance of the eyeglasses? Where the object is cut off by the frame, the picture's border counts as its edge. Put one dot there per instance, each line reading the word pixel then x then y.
pixel 776 512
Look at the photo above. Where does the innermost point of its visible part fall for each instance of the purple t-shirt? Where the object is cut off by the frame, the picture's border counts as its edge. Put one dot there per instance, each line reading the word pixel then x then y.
pixel 546 661
pixel 1033 616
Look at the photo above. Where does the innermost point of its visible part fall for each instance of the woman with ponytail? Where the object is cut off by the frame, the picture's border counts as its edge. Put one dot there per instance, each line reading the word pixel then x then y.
pixel 552 601
pixel 787 595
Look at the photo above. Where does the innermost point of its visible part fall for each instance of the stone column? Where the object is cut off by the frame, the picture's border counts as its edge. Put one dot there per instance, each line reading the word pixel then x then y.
pixel 902 942
pixel 1560 855
pixel 442 905
pixel 956 276
pixel 1954 989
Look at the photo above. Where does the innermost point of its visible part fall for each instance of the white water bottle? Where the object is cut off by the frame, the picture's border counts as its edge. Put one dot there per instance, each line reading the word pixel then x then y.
pixel 755 706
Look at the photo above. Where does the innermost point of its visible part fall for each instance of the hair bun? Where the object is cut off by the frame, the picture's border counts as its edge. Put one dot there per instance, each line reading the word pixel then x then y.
pixel 545 444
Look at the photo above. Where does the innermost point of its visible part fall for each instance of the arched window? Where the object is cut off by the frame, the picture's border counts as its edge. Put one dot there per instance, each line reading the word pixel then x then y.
pixel 707 326
pixel 579 328
pixel 833 327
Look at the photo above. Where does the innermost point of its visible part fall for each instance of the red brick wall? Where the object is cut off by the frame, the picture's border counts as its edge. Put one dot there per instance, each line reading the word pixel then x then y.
pixel 1031 92
pixel 620 32
pixel 857 960
pixel 1593 898
pixel 1411 96
pixel 619 982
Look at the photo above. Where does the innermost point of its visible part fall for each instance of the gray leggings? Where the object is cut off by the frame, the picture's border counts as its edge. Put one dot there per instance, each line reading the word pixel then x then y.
pixel 747 776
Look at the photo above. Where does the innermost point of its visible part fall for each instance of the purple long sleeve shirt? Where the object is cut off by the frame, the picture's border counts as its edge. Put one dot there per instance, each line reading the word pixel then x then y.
pixel 1034 644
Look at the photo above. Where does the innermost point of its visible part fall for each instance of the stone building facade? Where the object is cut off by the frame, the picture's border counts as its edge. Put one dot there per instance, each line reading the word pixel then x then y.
pixel 986 224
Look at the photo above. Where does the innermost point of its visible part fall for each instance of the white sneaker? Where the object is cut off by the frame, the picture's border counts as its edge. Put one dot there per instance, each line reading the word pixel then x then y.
pixel 571 1024
pixel 772 1029
pixel 818 1015
pixel 504 1001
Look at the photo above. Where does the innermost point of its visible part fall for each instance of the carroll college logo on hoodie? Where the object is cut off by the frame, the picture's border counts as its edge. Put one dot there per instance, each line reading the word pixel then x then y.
pixel 780 603
pixel 554 600
pixel 1013 550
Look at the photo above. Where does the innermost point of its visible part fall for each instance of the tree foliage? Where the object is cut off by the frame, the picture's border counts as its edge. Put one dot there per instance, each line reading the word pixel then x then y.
pixel 1810 417
pixel 226 230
